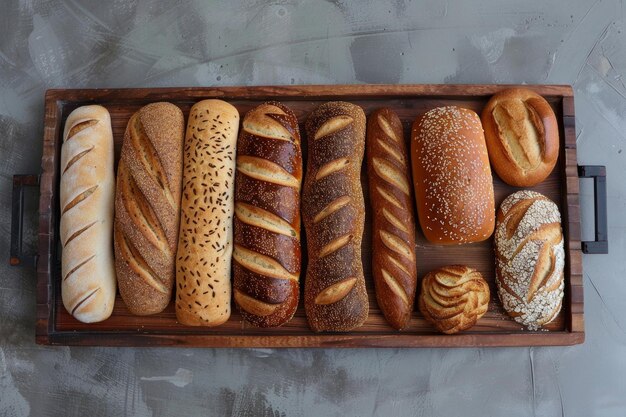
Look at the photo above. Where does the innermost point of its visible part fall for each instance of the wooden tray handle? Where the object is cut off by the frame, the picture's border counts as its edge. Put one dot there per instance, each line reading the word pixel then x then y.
pixel 17 220
pixel 601 243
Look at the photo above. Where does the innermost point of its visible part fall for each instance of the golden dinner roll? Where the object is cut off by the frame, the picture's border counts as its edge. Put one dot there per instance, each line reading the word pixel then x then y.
pixel 522 136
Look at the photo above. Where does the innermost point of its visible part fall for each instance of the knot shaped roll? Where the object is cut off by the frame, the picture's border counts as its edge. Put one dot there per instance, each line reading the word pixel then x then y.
pixel 453 298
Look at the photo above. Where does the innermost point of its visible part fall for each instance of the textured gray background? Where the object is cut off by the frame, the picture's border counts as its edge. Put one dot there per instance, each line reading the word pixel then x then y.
pixel 187 43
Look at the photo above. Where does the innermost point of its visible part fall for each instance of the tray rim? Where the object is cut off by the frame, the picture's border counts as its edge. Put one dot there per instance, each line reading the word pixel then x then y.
pixel 55 99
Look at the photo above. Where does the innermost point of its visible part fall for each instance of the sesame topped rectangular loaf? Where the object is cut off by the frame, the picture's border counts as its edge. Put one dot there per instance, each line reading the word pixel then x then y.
pixel 452 176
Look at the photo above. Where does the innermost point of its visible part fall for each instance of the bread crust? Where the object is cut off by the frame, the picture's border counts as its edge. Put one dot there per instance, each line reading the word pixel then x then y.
pixel 522 136
pixel 205 244
pixel 452 177
pixel 335 296
pixel 393 228
pixel 87 191
pixel 267 216
pixel 147 207
pixel 530 258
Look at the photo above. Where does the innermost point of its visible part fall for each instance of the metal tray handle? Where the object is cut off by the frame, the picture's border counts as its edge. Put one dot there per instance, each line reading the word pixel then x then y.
pixel 601 243
pixel 17 219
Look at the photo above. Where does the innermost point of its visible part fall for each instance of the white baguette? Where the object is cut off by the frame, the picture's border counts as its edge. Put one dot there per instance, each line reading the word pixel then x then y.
pixel 205 239
pixel 87 194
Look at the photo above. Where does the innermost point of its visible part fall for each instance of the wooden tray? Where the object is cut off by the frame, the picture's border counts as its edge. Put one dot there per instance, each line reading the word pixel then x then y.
pixel 56 327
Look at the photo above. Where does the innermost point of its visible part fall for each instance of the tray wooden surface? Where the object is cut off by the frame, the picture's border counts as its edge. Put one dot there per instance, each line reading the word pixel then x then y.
pixel 56 327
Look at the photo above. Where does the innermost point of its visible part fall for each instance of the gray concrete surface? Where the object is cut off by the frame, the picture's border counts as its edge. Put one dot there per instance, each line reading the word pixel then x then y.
pixel 187 43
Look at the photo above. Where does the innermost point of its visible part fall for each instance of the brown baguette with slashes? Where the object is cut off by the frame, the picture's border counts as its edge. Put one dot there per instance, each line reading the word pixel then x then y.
pixel 266 257
pixel 393 230
pixel 333 211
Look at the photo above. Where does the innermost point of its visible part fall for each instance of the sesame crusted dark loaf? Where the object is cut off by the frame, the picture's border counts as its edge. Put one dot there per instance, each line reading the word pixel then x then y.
pixel 452 177
pixel 147 207
pixel 393 229
pixel 266 258
pixel 530 258
pixel 333 212
pixel 205 247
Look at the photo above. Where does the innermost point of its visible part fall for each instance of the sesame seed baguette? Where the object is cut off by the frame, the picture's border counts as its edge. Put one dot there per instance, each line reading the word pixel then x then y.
pixel 86 197
pixel 452 176
pixel 333 211
pixel 530 258
pixel 147 207
pixel 393 237
pixel 203 260
pixel 266 258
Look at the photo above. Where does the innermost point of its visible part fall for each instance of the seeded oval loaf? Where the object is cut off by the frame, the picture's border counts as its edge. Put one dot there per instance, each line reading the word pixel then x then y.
pixel 530 258
pixel 87 191
pixel 522 136
pixel 453 298
pixel 266 258
pixel 393 229
pixel 205 244
pixel 452 177
pixel 333 211
pixel 147 207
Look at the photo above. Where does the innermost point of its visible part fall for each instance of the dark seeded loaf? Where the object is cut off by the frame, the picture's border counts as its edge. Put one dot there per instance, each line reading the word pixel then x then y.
pixel 333 212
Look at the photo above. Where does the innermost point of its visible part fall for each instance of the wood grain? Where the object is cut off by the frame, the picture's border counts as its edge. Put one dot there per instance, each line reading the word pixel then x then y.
pixel 56 326
pixel 571 221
